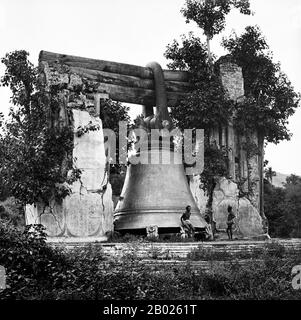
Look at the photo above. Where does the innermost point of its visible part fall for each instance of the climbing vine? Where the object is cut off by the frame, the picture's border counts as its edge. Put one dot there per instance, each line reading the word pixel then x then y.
pixel 205 107
pixel 111 112
pixel 81 130
pixel 35 148
pixel 36 141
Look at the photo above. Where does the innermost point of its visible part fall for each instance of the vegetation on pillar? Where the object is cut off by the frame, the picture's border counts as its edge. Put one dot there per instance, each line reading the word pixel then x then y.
pixel 205 107
pixel 270 98
pixel 111 113
pixel 36 141
pixel 33 145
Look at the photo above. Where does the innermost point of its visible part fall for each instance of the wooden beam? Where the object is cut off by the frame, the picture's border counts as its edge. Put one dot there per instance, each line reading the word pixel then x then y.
pixel 137 95
pixel 123 82
pixel 127 81
pixel 109 66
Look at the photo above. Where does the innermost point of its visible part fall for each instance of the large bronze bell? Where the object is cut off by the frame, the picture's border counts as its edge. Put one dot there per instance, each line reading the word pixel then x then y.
pixel 156 194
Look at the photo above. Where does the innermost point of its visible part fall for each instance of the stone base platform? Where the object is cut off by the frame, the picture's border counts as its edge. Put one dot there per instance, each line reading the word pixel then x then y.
pixel 180 250
pixel 75 241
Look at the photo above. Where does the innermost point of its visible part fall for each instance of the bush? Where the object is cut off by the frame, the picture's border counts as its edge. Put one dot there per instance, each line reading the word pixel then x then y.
pixel 37 271
pixel 31 265
pixel 270 249
pixel 260 280
pixel 12 210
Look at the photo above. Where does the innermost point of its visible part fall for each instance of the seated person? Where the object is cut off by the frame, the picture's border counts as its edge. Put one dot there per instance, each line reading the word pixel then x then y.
pixel 186 223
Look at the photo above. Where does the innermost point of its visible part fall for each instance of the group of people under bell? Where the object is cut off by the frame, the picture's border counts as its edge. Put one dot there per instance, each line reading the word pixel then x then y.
pixel 190 230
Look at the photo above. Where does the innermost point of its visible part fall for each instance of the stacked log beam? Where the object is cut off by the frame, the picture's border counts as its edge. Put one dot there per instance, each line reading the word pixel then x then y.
pixel 123 82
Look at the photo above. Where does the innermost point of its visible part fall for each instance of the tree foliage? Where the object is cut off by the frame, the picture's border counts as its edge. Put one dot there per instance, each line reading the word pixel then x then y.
pixel 210 15
pixel 215 165
pixel 270 97
pixel 32 149
pixel 191 55
pixel 12 210
pixel 206 105
pixel 283 207
pixel 36 162
pixel 269 174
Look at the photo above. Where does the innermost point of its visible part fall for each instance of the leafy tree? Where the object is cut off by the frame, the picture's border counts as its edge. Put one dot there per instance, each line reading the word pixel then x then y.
pixel 4 193
pixel 293 204
pixel 191 56
pixel 205 107
pixel 111 113
pixel 270 97
pixel 210 15
pixel 292 180
pixel 282 207
pixel 273 209
pixel 33 148
pixel 36 162
pixel 269 174
pixel 12 210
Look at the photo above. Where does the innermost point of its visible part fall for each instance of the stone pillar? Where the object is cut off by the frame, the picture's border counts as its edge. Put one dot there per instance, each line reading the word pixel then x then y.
pixel 253 163
pixel 243 163
pixel 249 220
pixel 231 153
pixel 233 83
pixel 232 79
pixel 85 215
pixel 261 173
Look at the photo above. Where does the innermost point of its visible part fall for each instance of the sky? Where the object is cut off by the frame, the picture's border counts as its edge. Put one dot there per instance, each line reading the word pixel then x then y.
pixel 138 31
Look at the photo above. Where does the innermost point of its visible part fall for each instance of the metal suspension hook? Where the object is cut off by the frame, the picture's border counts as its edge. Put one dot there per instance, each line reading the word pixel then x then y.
pixel 161 97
